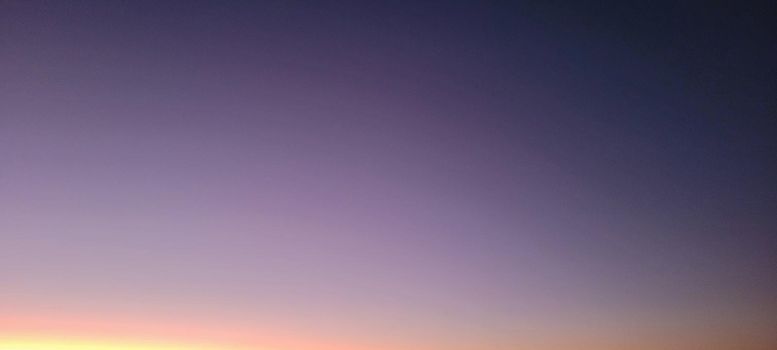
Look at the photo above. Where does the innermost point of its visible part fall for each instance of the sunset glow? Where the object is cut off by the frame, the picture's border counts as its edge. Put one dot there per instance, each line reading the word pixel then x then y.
pixel 387 175
pixel 85 344
pixel 72 345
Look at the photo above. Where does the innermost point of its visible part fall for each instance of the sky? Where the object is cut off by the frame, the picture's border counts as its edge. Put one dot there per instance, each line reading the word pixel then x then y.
pixel 455 175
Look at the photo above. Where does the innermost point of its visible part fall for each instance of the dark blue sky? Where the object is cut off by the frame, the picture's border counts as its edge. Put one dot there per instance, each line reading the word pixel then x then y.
pixel 416 175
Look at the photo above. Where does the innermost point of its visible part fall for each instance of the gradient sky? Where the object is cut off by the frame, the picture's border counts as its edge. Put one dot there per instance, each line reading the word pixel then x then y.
pixel 369 175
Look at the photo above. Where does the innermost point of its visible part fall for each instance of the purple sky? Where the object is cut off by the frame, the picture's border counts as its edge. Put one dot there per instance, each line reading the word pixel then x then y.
pixel 456 176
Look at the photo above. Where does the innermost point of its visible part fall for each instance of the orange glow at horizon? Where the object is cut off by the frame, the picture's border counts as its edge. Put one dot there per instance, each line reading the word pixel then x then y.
pixel 63 343
pixel 63 331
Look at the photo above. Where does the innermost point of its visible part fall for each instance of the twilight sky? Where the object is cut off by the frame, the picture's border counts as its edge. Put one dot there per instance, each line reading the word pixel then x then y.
pixel 451 175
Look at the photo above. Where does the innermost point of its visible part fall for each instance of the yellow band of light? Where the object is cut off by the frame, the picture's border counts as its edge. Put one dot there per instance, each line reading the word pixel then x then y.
pixel 77 344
